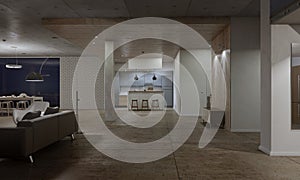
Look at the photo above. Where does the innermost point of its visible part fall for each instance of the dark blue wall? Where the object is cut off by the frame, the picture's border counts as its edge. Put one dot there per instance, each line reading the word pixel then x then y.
pixel 12 81
pixel 278 5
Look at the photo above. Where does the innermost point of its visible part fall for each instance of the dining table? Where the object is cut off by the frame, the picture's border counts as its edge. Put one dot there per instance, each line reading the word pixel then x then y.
pixel 21 98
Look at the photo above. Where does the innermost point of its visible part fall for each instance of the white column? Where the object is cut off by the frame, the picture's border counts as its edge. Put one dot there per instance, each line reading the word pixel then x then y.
pixel 265 73
pixel 108 79
pixel 245 74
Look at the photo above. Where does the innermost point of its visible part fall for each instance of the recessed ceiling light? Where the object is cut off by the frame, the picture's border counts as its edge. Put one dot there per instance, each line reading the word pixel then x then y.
pixel 54 37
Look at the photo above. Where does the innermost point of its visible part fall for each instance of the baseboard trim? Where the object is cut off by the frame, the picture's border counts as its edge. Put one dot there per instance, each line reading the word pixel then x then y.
pixel 245 130
pixel 264 150
pixel 284 153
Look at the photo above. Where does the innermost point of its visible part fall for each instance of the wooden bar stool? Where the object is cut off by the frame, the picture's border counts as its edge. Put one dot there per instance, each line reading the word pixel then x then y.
pixel 145 104
pixel 134 104
pixel 155 104
pixel 22 104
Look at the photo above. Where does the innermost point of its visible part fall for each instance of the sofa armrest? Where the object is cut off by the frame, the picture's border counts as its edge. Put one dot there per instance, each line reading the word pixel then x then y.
pixel 67 123
pixel 16 142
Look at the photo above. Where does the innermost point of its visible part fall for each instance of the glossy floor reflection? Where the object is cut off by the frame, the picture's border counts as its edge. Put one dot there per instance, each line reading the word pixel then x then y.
pixel 228 156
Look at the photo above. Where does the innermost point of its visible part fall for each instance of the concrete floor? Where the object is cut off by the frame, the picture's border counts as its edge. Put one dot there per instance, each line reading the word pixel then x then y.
pixel 228 156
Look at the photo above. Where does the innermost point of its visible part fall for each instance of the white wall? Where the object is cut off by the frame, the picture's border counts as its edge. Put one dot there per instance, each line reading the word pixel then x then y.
pixel 67 68
pixel 196 68
pixel 245 74
pixel 220 74
pixel 205 57
pixel 176 83
pixel 145 63
pixel 284 141
pixel 218 84
pixel 296 61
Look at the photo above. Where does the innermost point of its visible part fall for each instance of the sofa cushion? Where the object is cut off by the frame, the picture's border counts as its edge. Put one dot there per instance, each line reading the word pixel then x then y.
pixel 31 115
pixel 51 110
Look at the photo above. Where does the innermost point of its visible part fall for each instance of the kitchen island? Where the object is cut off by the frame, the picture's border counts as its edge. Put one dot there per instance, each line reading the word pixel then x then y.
pixel 155 99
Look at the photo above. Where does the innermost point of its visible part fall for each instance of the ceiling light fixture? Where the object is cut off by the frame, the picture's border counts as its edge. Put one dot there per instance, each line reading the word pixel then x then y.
pixel 136 77
pixel 36 77
pixel 14 66
pixel 154 78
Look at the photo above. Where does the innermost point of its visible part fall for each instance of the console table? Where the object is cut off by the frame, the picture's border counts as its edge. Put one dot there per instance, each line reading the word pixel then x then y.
pixel 212 116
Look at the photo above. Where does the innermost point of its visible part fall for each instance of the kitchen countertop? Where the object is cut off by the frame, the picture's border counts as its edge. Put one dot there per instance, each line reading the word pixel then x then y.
pixel 154 91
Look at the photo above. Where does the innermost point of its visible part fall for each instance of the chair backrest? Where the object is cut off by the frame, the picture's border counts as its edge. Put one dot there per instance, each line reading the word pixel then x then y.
pixel 35 106
pixel 39 106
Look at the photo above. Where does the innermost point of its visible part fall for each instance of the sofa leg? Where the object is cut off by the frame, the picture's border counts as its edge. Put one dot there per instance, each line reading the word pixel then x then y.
pixel 31 159
pixel 72 137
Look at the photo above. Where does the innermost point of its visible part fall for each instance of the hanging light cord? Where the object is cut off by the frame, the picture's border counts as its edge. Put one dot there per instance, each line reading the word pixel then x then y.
pixel 16 56
pixel 43 65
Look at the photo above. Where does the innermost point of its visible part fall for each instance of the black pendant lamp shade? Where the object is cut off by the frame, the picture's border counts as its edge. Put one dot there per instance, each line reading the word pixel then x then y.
pixel 136 77
pixel 154 78
pixel 34 77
